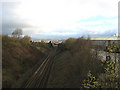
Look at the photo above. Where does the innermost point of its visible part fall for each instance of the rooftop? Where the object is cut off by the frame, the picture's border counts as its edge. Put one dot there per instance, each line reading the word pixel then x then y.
pixel 105 38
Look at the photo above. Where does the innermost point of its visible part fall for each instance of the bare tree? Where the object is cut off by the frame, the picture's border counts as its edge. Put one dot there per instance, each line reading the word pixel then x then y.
pixel 17 33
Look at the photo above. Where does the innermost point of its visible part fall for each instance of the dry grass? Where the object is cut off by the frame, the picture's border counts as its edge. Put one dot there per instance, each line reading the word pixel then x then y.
pixel 17 59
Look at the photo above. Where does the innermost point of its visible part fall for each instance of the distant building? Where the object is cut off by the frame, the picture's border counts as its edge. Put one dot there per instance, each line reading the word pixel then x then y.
pixel 104 40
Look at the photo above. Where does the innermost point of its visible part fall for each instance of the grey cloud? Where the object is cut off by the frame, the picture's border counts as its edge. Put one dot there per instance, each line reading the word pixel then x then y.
pixel 9 27
pixel 10 21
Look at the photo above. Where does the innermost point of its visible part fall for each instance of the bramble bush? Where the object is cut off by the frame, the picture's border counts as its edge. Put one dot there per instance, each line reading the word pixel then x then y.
pixel 110 79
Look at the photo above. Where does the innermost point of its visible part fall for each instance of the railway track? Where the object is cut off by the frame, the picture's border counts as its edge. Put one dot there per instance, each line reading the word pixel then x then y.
pixel 40 76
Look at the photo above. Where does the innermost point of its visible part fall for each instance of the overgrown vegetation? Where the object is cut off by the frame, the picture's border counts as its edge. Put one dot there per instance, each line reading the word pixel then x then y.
pixel 76 64
pixel 19 56
pixel 111 77
pixel 72 64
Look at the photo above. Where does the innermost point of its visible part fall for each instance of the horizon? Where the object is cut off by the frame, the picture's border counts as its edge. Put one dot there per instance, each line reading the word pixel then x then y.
pixel 51 19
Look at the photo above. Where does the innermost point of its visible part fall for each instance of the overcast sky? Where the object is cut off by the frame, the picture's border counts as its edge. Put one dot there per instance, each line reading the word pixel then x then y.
pixel 60 18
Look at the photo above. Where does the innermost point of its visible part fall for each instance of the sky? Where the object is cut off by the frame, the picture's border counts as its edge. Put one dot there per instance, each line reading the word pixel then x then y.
pixel 60 18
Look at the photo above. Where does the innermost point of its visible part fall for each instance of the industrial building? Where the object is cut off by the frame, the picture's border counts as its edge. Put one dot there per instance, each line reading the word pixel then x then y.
pixel 106 42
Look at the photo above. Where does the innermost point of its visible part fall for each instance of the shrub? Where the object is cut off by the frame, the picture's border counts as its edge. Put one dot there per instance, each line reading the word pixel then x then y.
pixel 110 78
pixel 72 64
pixel 69 43
pixel 26 41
